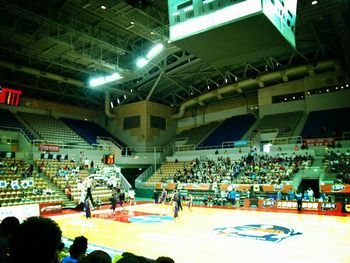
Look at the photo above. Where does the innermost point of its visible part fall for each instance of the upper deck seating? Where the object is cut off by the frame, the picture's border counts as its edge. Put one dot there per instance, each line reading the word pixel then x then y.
pixel 90 131
pixel 231 129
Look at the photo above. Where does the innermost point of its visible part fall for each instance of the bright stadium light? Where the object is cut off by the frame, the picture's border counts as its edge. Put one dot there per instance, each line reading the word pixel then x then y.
pixel 155 51
pixel 141 62
pixel 103 80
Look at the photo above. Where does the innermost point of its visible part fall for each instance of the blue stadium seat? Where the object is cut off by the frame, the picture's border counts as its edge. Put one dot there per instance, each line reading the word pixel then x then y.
pixel 8 119
pixel 89 131
pixel 326 123
pixel 231 129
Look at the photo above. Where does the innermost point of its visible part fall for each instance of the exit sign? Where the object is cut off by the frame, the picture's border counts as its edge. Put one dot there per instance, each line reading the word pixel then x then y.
pixel 9 96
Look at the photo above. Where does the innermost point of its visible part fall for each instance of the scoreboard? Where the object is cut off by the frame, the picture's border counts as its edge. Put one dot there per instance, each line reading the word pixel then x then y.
pixel 182 10
pixel 10 96
pixel 195 22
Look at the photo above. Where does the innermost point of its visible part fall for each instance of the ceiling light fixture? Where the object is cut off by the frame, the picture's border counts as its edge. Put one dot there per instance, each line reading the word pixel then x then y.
pixel 314 2
pixel 103 80
pixel 141 62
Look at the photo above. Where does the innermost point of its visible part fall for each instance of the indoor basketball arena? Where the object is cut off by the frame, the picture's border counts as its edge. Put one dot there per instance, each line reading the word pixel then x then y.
pixel 184 131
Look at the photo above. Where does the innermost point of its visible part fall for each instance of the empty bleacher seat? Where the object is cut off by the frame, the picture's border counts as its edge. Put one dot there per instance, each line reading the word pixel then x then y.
pixel 231 129
pixel 326 123
pixel 90 131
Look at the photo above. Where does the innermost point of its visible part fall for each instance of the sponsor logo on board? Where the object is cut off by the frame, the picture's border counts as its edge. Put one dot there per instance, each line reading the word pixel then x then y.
pixel 338 187
pixel 328 206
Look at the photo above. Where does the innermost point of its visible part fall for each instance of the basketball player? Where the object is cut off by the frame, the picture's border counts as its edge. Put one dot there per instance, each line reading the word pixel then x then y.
pixel 114 201
pixel 174 200
pixel 88 209
pixel 122 198
pixel 131 195
pixel 163 196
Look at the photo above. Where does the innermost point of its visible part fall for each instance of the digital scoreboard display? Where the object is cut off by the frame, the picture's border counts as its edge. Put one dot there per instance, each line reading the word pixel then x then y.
pixel 10 96
pixel 201 15
pixel 222 31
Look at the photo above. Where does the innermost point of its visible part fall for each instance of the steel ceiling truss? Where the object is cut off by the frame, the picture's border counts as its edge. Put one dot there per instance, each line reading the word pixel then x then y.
pixel 41 88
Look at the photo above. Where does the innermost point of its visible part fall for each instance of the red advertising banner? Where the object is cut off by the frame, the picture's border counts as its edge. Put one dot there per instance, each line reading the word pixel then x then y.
pixel 49 148
pixel 335 188
pixel 49 208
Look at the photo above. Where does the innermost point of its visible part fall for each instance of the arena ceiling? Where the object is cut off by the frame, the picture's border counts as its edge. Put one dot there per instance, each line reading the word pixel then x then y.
pixel 51 48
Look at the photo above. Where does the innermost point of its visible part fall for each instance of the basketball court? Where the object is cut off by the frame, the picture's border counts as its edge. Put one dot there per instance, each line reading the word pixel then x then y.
pixel 214 234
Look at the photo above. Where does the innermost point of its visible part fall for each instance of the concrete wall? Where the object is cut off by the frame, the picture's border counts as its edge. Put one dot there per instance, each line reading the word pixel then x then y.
pixel 144 136
pixel 311 103
pixel 315 102
pixel 218 111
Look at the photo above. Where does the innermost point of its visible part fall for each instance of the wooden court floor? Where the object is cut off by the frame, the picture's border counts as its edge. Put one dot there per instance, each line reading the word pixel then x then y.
pixel 216 235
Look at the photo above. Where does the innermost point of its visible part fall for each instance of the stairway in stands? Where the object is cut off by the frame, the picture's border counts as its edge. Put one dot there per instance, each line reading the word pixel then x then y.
pixel 66 203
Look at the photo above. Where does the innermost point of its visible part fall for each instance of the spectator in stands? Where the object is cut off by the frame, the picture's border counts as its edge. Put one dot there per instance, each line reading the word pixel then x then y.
pixel 306 196
pixel 279 195
pixel 131 258
pixel 310 193
pixel 7 227
pixel 37 191
pixel 61 253
pixel 97 256
pixel 86 163
pixel 35 240
pixel 14 168
pixel 77 250
pixel 291 194
pixel 68 192
pixel 232 197
pixel 164 260
pixel 323 197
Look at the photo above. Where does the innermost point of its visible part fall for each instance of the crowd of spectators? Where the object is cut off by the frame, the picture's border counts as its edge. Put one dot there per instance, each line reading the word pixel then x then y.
pixel 249 169
pixel 339 163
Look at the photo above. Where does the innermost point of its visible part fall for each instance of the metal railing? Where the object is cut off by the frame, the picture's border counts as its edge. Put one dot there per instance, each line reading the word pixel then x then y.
pixel 68 145
pixel 111 140
pixel 134 151
pixel 139 182
pixel 186 147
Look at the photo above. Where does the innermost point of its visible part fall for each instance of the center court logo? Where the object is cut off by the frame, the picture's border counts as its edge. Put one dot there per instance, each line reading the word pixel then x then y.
pixel 270 233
